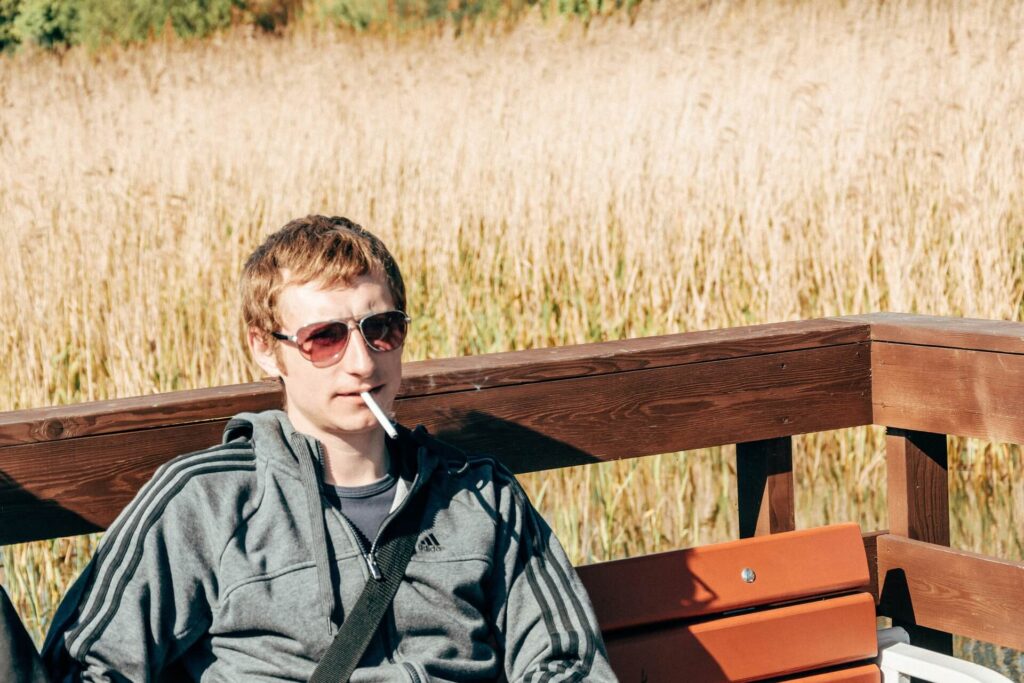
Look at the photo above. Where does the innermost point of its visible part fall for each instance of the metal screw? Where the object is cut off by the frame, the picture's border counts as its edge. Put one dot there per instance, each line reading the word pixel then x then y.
pixel 748 575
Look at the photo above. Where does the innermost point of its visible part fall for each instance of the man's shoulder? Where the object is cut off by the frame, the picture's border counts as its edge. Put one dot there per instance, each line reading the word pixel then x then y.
pixel 463 466
pixel 211 471
pixel 480 475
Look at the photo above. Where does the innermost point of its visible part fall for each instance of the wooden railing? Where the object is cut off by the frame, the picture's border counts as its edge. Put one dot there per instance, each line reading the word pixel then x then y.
pixel 70 470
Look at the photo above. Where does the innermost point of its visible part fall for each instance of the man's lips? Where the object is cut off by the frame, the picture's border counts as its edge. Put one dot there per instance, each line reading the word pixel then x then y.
pixel 355 393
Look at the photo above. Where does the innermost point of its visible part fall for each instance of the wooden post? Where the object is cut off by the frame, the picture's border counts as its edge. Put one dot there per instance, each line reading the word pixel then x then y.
pixel 918 501
pixel 764 479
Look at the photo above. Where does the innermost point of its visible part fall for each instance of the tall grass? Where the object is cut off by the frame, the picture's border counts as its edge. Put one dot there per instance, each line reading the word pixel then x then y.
pixel 711 165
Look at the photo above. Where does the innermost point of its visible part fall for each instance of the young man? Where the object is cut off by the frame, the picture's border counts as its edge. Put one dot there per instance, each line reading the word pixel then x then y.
pixel 240 562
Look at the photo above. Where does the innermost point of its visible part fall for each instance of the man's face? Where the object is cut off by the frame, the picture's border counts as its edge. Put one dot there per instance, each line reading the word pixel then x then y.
pixel 326 400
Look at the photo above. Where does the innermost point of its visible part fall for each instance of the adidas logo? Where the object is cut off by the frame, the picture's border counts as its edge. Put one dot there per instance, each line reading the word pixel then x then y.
pixel 429 544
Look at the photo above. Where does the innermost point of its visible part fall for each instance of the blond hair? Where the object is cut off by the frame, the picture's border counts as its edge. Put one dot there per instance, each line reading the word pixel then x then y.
pixel 332 251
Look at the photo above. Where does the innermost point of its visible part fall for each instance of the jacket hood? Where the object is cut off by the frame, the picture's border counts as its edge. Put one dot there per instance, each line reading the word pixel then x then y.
pixel 269 431
pixel 273 436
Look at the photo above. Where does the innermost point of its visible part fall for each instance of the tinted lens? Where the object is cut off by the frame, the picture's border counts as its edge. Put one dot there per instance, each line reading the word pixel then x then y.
pixel 323 342
pixel 384 331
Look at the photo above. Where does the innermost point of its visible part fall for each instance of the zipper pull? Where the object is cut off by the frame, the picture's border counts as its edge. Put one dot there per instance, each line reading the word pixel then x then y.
pixel 374 569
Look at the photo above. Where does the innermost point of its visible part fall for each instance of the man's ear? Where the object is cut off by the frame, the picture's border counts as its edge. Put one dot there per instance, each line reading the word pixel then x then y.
pixel 264 354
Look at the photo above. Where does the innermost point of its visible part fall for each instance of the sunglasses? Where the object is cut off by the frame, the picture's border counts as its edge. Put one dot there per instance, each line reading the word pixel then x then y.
pixel 323 343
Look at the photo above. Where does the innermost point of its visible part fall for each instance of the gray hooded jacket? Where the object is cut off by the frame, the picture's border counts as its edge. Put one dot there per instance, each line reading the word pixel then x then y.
pixel 233 565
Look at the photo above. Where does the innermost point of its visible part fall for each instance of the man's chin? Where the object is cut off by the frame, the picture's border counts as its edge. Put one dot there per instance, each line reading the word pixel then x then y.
pixel 354 427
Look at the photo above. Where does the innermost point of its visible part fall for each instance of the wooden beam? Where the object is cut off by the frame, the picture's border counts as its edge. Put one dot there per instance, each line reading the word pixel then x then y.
pixel 469 373
pixel 918 485
pixel 77 486
pixel 951 590
pixel 643 412
pixel 426 378
pixel 84 481
pixel 871 551
pixel 954 333
pixel 949 391
pixel 140 412
pixel 764 479
pixel 918 501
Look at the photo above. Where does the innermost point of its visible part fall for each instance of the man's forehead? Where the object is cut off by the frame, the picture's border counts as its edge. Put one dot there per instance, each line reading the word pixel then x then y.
pixel 315 300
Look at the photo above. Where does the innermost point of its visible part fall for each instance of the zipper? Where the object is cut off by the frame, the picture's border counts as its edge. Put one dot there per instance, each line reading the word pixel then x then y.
pixel 371 560
pixel 411 670
pixel 370 557
pixel 372 564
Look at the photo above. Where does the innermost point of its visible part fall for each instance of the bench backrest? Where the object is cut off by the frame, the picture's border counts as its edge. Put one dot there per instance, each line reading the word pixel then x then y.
pixel 746 610
pixel 70 470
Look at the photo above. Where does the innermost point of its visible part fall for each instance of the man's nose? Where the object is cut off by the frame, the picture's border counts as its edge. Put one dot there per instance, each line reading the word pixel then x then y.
pixel 358 358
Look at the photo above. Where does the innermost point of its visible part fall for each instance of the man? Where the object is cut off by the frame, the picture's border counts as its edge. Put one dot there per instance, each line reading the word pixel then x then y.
pixel 240 562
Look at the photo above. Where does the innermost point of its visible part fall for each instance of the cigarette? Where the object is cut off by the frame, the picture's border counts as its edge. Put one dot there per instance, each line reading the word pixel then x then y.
pixel 379 414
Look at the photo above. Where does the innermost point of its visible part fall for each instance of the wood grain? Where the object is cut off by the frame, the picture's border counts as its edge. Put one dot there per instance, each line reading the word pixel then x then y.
pixel 752 646
pixel 425 378
pixel 865 673
pixel 707 580
pixel 141 412
pixel 643 412
pixel 764 480
pixel 565 362
pixel 871 551
pixel 918 485
pixel 949 391
pixel 76 486
pixel 952 590
pixel 918 502
pixel 930 330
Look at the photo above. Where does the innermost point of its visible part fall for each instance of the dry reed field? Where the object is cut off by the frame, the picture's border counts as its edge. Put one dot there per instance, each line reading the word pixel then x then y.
pixel 705 167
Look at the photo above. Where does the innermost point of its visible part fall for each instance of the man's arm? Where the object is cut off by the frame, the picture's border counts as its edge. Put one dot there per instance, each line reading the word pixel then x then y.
pixel 543 617
pixel 146 596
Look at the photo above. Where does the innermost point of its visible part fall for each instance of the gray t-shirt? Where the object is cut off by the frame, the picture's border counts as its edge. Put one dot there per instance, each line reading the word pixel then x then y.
pixel 367 506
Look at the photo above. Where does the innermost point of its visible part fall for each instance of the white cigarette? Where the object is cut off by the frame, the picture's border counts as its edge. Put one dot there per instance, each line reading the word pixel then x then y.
pixel 379 414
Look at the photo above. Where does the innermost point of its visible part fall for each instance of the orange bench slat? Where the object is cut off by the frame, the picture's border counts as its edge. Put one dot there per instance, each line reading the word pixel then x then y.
pixel 751 646
pixel 866 673
pixel 707 580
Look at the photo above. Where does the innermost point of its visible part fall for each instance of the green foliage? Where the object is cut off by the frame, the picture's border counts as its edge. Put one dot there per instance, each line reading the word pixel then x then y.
pixel 411 14
pixel 8 13
pixel 359 14
pixel 407 14
pixel 47 23
pixel 52 23
pixel 55 23
pixel 126 21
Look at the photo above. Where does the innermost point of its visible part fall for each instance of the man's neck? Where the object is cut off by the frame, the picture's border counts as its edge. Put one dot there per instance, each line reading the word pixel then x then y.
pixel 352 459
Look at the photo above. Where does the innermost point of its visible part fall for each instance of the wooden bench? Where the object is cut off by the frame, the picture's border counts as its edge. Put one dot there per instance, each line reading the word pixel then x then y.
pixel 69 470
pixel 749 610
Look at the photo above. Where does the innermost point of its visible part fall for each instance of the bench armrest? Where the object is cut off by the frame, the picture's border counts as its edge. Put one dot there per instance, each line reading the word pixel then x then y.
pixel 899 661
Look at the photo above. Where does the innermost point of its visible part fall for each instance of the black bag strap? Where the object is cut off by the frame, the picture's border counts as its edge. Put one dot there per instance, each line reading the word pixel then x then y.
pixel 356 632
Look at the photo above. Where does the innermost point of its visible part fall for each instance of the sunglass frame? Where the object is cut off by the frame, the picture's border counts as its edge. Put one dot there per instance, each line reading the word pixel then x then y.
pixel 299 339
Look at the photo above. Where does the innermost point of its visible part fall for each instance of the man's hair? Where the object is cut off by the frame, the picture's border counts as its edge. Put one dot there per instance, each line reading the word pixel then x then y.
pixel 331 251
